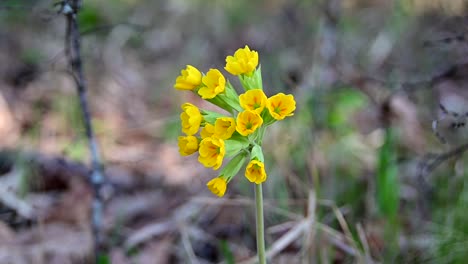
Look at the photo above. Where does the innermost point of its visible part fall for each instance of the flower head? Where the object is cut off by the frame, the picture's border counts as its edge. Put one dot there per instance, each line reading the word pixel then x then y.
pixel 188 79
pixel 191 119
pixel 254 100
pixel 207 131
pixel 244 61
pixel 187 145
pixel 224 127
pixel 281 106
pixel 214 83
pixel 217 186
pixel 255 171
pixel 211 152
pixel 247 122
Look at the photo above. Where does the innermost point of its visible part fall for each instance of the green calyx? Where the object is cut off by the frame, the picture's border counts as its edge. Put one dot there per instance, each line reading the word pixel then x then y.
pixel 253 81
pixel 235 144
pixel 210 116
pixel 257 153
pixel 234 166
pixel 228 100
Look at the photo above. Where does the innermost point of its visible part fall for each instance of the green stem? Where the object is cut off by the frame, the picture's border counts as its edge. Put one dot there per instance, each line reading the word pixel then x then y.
pixel 259 222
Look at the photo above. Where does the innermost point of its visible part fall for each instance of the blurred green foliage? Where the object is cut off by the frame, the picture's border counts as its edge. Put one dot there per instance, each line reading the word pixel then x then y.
pixel 104 259
pixel 343 104
pixel 172 129
pixel 388 186
pixel 228 257
pixel 32 56
pixel 388 193
pixel 27 173
pixel 450 227
pixel 90 18
pixel 13 11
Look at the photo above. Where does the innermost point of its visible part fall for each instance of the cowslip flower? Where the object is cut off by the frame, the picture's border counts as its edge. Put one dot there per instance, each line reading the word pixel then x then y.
pixel 254 100
pixel 244 61
pixel 281 106
pixel 189 79
pixel 187 145
pixel 237 135
pixel 214 82
pixel 217 186
pixel 247 122
pixel 207 131
pixel 212 151
pixel 191 119
pixel 255 172
pixel 224 127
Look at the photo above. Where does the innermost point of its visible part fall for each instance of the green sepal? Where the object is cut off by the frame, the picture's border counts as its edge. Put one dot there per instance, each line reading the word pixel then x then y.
pixel 231 98
pixel 195 90
pixel 235 144
pixel 267 118
pixel 227 100
pixel 234 166
pixel 257 153
pixel 218 101
pixel 210 116
pixel 230 91
pixel 254 81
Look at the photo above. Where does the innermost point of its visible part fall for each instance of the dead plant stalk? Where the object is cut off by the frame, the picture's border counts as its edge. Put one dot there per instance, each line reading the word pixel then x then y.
pixel 70 9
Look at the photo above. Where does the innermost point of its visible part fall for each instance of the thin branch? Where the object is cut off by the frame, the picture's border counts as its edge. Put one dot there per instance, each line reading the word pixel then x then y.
pixel 150 231
pixel 344 226
pixel 337 239
pixel 70 9
pixel 181 215
pixel 284 241
pixel 428 167
pixel 309 236
pixel 365 243
pixel 188 245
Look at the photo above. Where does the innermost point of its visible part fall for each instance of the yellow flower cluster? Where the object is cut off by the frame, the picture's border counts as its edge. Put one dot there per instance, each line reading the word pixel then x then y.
pixel 238 136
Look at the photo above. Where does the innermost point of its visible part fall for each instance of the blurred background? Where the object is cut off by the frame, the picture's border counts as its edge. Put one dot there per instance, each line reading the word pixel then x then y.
pixel 369 170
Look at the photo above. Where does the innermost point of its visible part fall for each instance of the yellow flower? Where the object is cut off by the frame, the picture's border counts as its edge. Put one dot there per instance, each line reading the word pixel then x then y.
pixel 217 186
pixel 207 131
pixel 244 61
pixel 224 127
pixel 254 100
pixel 191 119
pixel 281 106
pixel 214 83
pixel 187 145
pixel 255 171
pixel 247 122
pixel 189 78
pixel 212 152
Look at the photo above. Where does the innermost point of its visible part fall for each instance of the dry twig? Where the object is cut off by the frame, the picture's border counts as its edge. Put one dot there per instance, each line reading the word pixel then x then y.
pixel 70 9
pixel 427 166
